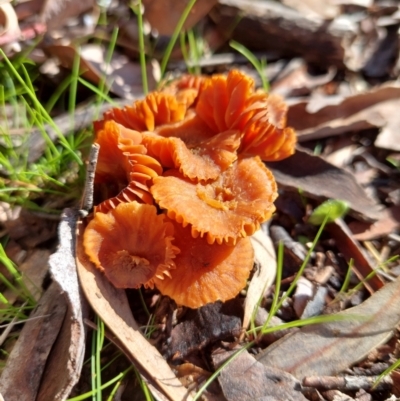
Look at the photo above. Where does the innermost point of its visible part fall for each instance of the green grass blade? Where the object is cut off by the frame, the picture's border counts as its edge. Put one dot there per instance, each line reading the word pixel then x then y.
pixel 253 60
pixel 142 52
pixel 38 105
pixel 177 31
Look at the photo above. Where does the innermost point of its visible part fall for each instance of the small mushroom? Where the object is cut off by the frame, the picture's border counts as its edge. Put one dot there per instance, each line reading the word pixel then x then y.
pixel 124 171
pixel 131 244
pixel 116 142
pixel 206 273
pixel 231 207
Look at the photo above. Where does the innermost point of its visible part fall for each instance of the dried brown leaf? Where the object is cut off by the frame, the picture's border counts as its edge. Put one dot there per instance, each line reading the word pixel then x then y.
pixel 265 264
pixel 24 370
pixel 245 379
pixel 329 348
pixel 372 109
pixel 351 250
pixel 202 326
pixel 111 304
pixel 319 179
pixel 164 15
pixel 387 224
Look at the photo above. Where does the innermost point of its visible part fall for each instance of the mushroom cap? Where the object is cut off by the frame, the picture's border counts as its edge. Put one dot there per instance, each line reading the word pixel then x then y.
pixel 200 161
pixel 206 273
pixel 156 109
pixel 265 134
pixel 131 244
pixel 226 209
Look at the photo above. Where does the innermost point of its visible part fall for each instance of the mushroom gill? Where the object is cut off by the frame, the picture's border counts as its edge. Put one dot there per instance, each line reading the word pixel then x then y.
pixel 206 273
pixel 230 102
pixel 156 109
pixel 124 171
pixel 231 207
pixel 131 244
pixel 200 161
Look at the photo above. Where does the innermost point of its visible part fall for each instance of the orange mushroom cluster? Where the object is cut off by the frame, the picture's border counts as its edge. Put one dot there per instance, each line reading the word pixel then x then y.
pixel 180 185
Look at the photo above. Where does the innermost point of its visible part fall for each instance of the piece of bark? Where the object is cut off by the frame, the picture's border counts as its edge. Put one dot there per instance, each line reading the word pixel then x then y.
pixel 268 25
pixel 65 361
pixel 26 364
pixel 328 348
pixel 245 379
pixel 321 180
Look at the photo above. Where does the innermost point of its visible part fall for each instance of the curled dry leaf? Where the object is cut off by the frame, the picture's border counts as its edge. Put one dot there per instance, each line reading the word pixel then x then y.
pixel 319 179
pixel 9 26
pixel 263 277
pixel 329 348
pixel 65 363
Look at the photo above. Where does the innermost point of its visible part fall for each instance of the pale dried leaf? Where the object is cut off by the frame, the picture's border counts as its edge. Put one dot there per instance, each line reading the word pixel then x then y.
pixel 9 26
pixel 245 379
pixel 321 180
pixel 315 8
pixel 111 304
pixel 24 370
pixel 265 264
pixel 65 363
pixel 329 348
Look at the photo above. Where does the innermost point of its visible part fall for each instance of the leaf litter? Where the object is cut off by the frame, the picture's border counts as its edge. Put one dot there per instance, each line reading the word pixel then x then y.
pixel 346 101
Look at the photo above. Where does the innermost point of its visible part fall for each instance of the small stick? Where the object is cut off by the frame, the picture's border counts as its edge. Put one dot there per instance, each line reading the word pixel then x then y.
pixel 87 200
pixel 348 382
